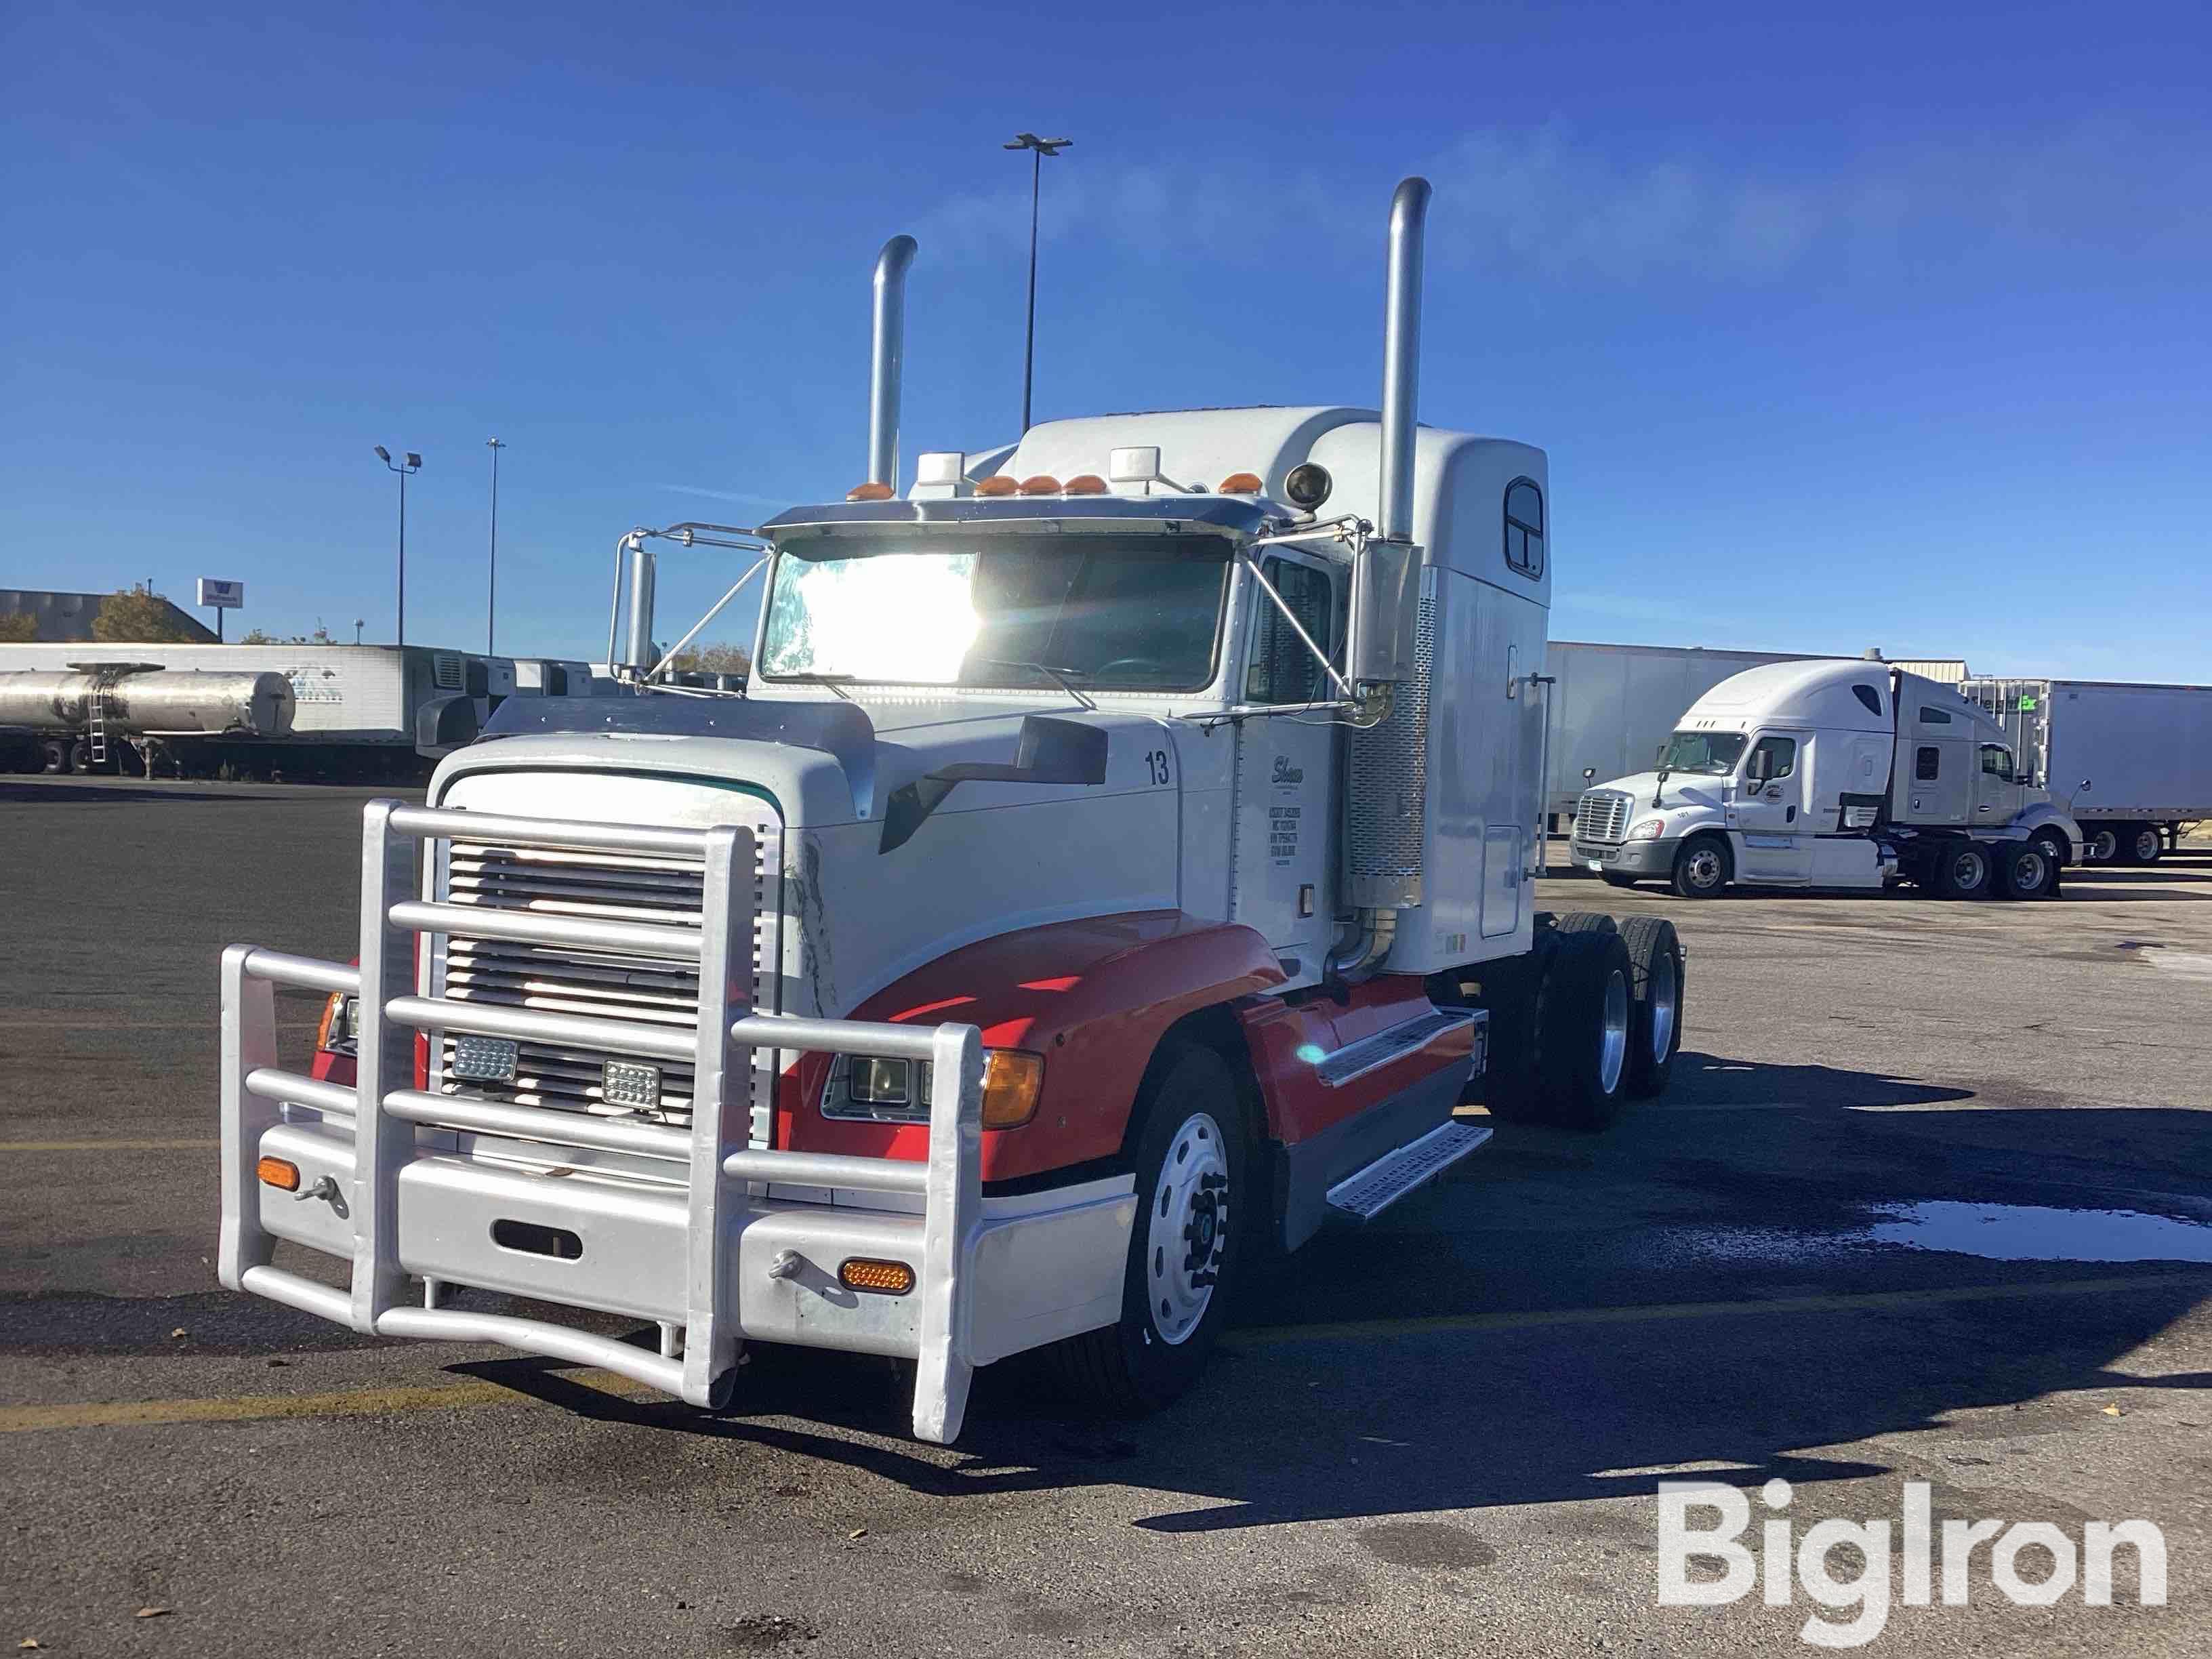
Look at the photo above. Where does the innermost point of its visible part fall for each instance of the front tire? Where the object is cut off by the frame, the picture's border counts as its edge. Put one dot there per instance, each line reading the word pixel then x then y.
pixel 1703 868
pixel 1200 1212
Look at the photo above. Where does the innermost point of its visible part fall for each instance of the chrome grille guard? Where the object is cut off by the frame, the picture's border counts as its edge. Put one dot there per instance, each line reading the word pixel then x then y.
pixel 384 1110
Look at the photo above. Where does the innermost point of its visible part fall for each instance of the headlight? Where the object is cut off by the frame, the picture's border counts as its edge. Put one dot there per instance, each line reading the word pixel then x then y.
pixel 336 1033
pixel 1647 830
pixel 881 1089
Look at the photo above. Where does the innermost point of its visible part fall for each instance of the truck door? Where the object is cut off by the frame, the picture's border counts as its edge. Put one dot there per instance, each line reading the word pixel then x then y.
pixel 1770 811
pixel 1999 796
pixel 1285 831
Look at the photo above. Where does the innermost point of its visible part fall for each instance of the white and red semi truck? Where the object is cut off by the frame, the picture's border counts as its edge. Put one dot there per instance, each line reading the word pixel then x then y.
pixel 1119 866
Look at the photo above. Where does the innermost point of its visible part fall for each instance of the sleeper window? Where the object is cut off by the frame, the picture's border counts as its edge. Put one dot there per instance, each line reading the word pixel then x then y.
pixel 1924 764
pixel 1933 716
pixel 1524 527
pixel 1870 696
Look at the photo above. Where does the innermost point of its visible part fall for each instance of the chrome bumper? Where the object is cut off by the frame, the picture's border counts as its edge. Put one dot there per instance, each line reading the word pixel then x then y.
pixel 690 1228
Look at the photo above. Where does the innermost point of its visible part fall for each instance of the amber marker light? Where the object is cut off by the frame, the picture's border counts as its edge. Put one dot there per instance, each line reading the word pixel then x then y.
pixel 996 485
pixel 1086 483
pixel 861 1272
pixel 1240 483
pixel 1042 484
pixel 869 492
pixel 279 1173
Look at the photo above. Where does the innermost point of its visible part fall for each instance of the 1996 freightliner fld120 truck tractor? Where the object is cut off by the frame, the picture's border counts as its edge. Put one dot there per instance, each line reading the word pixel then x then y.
pixel 1829 773
pixel 1120 866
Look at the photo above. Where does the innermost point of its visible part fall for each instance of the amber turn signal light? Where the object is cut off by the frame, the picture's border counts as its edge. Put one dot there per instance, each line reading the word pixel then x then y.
pixel 861 1272
pixel 279 1173
pixel 1011 1082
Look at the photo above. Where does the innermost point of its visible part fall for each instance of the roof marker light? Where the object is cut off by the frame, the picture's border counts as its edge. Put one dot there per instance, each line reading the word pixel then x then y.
pixel 1240 483
pixel 1043 484
pixel 1086 483
pixel 869 492
pixel 995 485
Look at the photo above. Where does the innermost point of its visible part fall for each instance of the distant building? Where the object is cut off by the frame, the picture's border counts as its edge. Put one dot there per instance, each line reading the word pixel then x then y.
pixel 66 616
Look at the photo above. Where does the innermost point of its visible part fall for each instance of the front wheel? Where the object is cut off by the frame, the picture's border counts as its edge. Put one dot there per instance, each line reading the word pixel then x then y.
pixel 1702 868
pixel 1199 1219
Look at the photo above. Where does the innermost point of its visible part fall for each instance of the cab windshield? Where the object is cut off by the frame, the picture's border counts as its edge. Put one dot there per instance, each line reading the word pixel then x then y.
pixel 1106 612
pixel 1713 753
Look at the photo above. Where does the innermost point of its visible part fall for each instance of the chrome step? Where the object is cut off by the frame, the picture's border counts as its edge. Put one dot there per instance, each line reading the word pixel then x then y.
pixel 1367 1192
pixel 1371 1053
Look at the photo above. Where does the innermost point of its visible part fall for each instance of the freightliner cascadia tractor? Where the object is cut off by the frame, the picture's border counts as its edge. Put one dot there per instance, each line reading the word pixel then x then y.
pixel 1837 774
pixel 1117 870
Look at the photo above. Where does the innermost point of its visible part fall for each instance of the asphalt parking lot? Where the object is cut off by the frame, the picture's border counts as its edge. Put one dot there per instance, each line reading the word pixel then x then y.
pixel 1931 1201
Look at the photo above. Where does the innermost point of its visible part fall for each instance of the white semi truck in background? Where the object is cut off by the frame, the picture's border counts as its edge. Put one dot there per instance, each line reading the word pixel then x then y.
pixel 1120 863
pixel 1830 773
pixel 2133 762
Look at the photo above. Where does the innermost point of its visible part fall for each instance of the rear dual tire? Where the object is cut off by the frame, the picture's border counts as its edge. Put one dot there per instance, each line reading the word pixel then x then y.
pixel 2023 870
pixel 1562 1026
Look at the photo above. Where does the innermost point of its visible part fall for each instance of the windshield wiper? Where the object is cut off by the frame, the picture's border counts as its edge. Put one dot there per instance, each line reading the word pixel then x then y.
pixel 1064 678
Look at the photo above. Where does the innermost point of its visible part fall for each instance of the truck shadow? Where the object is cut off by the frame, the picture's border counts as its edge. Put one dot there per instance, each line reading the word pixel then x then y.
pixel 1568 1318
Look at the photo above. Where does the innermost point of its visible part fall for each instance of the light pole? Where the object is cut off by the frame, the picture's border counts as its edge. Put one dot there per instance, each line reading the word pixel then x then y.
pixel 1039 148
pixel 412 464
pixel 491 592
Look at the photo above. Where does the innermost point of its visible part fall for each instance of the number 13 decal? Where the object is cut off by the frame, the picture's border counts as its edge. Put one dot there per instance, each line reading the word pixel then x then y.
pixel 1156 763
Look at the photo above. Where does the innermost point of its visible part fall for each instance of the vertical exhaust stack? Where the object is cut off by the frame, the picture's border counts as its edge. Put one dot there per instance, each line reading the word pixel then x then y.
pixel 888 360
pixel 1402 357
pixel 1386 820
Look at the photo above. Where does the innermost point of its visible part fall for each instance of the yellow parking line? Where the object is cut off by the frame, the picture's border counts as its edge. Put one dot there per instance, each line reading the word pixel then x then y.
pixel 242 1408
pixel 197 1144
pixel 1843 1302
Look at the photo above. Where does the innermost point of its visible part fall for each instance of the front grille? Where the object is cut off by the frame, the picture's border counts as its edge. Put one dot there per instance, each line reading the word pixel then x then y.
pixel 1601 817
pixel 603 984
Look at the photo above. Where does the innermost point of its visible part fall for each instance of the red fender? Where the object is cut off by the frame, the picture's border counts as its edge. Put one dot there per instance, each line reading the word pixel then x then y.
pixel 1093 997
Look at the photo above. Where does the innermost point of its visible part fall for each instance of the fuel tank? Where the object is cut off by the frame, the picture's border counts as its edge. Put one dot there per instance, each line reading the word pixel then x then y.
pixel 163 700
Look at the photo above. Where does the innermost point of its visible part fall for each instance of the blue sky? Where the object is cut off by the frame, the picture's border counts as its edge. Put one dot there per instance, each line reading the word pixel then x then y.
pixel 1886 327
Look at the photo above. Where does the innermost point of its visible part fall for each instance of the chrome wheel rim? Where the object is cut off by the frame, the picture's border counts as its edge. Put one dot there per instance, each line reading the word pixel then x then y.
pixel 1188 1230
pixel 1705 867
pixel 1660 993
pixel 1613 1041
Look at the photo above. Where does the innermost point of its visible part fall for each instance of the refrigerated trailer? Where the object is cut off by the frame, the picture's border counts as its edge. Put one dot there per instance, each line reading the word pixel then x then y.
pixel 2134 761
pixel 1121 863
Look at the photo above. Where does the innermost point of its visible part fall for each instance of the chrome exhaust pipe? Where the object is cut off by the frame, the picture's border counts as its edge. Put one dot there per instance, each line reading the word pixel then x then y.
pixel 888 360
pixel 1401 357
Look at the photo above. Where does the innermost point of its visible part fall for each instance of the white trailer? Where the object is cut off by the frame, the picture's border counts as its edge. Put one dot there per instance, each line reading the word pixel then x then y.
pixel 2134 761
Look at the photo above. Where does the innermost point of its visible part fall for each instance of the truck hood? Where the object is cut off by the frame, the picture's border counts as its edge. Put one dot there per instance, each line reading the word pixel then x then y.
pixel 822 762
pixel 814 781
pixel 1682 789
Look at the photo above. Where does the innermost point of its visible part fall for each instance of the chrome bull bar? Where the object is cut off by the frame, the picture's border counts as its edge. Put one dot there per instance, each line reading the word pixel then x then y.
pixel 385 1110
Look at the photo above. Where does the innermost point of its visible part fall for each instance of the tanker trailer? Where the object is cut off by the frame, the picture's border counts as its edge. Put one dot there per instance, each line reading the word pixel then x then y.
pixel 76 717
